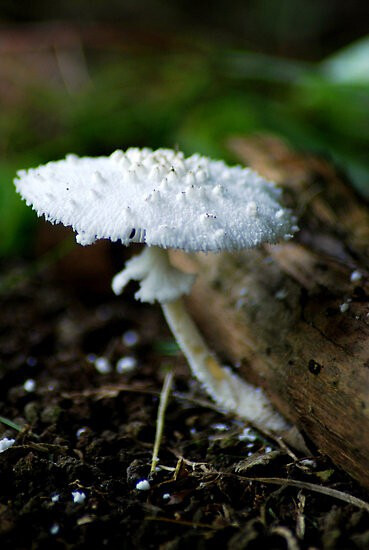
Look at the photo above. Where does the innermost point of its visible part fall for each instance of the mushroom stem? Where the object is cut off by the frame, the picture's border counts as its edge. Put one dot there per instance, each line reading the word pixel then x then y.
pixel 161 281
pixel 225 387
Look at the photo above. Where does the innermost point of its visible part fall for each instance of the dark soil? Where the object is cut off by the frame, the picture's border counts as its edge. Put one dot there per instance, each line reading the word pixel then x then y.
pixel 93 433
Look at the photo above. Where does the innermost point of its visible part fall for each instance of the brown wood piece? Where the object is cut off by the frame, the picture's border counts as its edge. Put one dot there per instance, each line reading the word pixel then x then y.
pixel 278 312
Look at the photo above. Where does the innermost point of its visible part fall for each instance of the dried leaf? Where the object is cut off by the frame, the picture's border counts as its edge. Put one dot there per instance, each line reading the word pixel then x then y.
pixel 257 459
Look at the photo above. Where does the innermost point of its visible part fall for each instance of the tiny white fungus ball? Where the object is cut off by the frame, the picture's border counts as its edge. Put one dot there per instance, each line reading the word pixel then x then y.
pixel 130 338
pixel 29 385
pixel 281 294
pixel 126 364
pixel 251 209
pixel 5 444
pixel 247 435
pixel 220 427
pixel 55 497
pixel 78 497
pixel 355 276
pixel 344 307
pixel 102 365
pixel 166 496
pixel 54 529
pixel 143 485
pixel 279 214
pixel 308 462
pixel 80 431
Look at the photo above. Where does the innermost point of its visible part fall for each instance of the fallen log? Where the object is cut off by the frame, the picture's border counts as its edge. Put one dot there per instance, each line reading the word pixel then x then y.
pixel 294 317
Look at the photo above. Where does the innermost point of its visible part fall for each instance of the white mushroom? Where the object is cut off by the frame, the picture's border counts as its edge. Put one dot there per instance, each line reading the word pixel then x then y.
pixel 165 200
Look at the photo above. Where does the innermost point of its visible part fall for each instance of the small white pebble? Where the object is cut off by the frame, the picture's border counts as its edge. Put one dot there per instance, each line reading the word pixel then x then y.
pixel 54 529
pixel 143 485
pixel 281 294
pixel 80 431
pixel 308 462
pixel 130 338
pixel 78 497
pixel 355 276
pixel 344 307
pixel 221 427
pixel 268 449
pixel 30 385
pixel 55 497
pixel 247 435
pixel 5 443
pixel 102 365
pixel 126 364
pixel 166 496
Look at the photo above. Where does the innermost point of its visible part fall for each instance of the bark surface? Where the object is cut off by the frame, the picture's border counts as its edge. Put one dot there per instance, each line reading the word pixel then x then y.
pixel 293 317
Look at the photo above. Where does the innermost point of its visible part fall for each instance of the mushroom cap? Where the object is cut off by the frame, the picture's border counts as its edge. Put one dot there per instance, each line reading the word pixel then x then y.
pixel 159 198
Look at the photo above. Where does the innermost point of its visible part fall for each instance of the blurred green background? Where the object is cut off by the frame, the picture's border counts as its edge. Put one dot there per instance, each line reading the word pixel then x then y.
pixel 88 78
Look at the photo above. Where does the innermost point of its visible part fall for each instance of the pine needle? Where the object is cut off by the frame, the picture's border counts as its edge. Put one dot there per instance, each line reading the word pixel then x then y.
pixel 164 397
pixel 10 423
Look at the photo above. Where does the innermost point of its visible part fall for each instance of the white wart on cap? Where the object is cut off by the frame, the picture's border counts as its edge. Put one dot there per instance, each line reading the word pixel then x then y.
pixel 159 198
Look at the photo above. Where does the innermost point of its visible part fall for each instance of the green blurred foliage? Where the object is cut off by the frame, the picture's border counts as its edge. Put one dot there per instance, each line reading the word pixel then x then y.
pixel 16 218
pixel 191 100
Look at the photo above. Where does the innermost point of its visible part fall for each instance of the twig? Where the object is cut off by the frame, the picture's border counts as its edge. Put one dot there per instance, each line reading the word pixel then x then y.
pixel 313 487
pixel 164 396
pixel 183 522
pixel 108 390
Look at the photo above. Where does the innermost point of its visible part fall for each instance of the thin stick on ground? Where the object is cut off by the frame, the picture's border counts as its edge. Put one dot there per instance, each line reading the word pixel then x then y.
pixel 10 423
pixel 334 493
pixel 164 397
